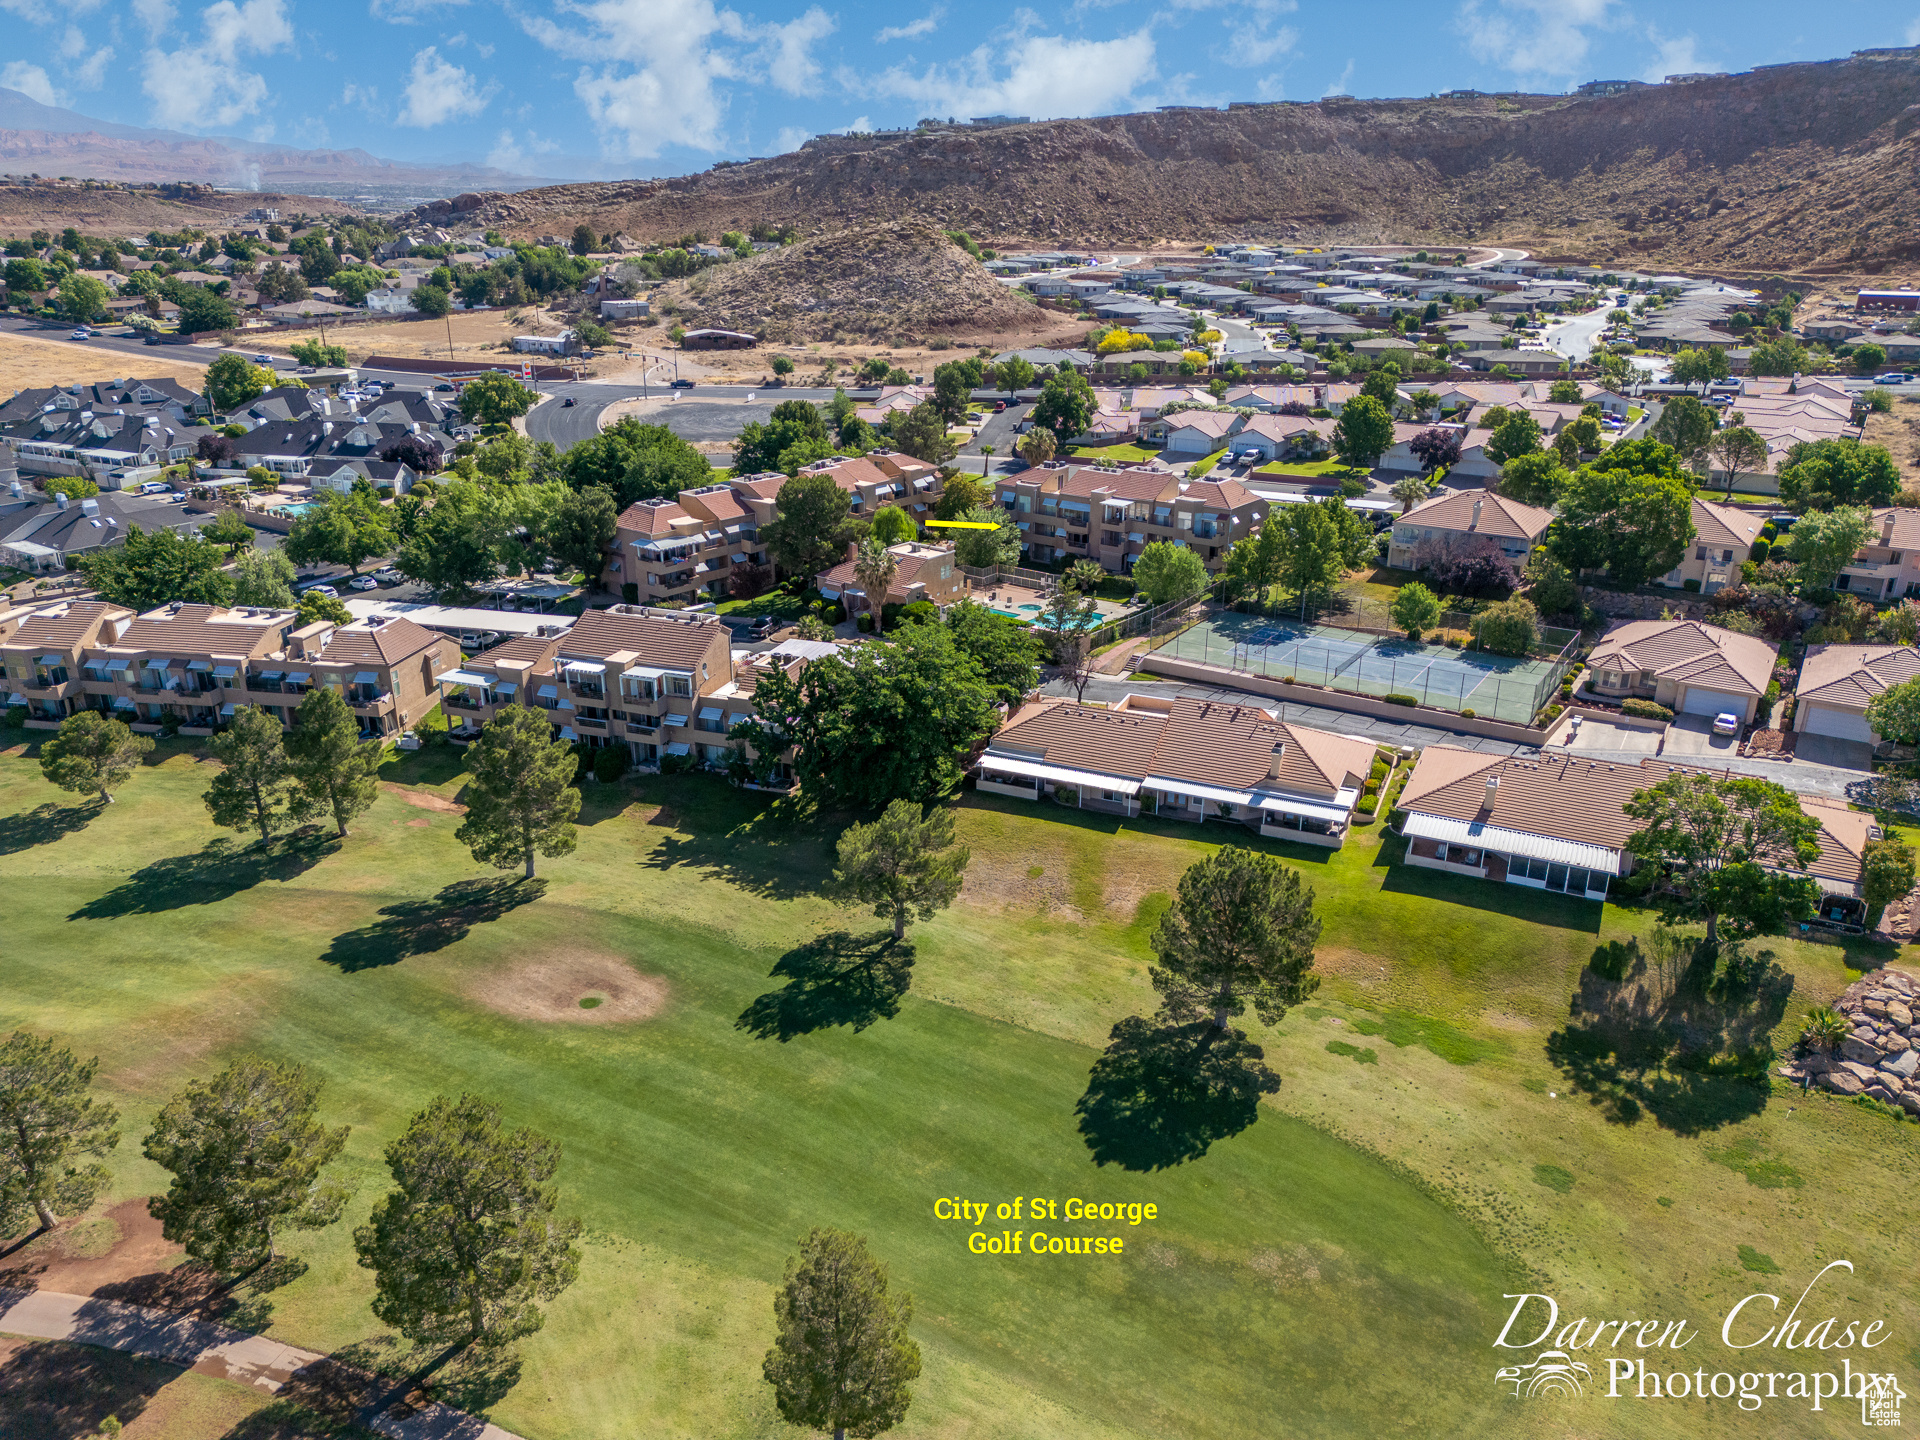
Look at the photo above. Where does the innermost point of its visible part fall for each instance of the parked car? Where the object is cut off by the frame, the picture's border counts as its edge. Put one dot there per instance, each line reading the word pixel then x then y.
pixel 363 582
pixel 81 334
pixel 443 386
pixel 155 487
pixel 763 627
pixel 389 577
pixel 326 590
pixel 680 385
pixel 263 360
pixel 998 406
pixel 1893 377
pixel 1726 723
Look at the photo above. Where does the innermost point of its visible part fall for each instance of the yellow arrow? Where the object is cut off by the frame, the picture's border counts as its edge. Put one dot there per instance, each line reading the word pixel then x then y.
pixel 960 525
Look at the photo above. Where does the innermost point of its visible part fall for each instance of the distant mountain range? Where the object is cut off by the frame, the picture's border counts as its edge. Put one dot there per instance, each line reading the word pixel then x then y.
pixel 48 140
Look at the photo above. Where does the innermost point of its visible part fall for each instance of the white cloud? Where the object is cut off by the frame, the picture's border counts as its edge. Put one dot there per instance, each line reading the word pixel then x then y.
pixel 913 29
pixel 651 68
pixel 439 91
pixel 48 12
pixel 512 154
pixel 792 137
pixel 409 12
pixel 29 80
pixel 1040 75
pixel 856 127
pixel 1258 46
pixel 91 73
pixel 1535 37
pixel 789 51
pixel 1339 87
pixel 155 15
pixel 203 86
pixel 1672 55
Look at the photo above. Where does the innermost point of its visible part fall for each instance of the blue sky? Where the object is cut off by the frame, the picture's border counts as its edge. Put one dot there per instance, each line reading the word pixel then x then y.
pixel 651 87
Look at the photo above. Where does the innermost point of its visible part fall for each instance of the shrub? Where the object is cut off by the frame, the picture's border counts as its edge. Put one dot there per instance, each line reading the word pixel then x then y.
pixel 1645 710
pixel 1413 700
pixel 1066 795
pixel 630 593
pixel 610 763
pixel 1506 628
pixel 1467 715
pixel 865 623
pixel 921 612
pixel 16 716
pixel 1690 585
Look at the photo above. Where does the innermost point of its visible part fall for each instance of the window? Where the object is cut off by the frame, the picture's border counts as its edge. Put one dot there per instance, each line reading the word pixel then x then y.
pixel 1700 552
pixel 679 685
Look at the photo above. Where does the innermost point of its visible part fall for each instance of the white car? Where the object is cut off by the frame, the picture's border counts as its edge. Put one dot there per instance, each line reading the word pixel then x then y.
pixel 81 334
pixel 326 590
pixel 363 582
pixel 1726 723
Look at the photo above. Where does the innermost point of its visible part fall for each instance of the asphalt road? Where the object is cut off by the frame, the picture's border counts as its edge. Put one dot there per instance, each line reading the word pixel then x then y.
pixel 1574 337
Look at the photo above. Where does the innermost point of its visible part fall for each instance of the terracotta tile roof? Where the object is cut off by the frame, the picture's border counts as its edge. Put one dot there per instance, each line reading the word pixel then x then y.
pixel 534 650
pixel 1227 494
pixel 1905 534
pixel 653 639
pixel 1722 525
pixel 1283 427
pixel 1207 422
pixel 1844 834
pixel 206 630
pixel 1499 516
pixel 1689 652
pixel 66 627
pixel 716 504
pixel 1082 481
pixel 389 643
pixel 1851 675
pixel 761 487
pixel 651 518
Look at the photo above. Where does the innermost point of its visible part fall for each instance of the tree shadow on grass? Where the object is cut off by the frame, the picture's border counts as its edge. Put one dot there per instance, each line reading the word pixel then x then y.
pixel 222 870
pixel 53 1391
pixel 383 1372
pixel 194 1290
pixel 43 825
pixel 419 927
pixel 1163 1093
pixel 834 979
pixel 778 849
pixel 1676 1030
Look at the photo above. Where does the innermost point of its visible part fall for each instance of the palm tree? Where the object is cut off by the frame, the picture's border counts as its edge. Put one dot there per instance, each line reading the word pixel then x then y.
pixel 1037 446
pixel 986 458
pixel 1084 576
pixel 1824 1029
pixel 1410 491
pixel 874 566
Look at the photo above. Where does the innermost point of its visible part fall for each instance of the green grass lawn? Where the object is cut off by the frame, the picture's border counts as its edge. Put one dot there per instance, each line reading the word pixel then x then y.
pixel 781 603
pixel 1340 1261
pixel 1113 454
pixel 1309 469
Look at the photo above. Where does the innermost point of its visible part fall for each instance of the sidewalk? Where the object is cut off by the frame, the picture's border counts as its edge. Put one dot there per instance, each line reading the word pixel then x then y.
pixel 209 1349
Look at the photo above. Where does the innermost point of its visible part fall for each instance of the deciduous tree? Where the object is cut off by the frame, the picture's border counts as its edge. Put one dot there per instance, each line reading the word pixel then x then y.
pixel 1536 478
pixel 1737 448
pixel 581 529
pixel 1686 426
pixel 1240 932
pixel 841 1359
pixel 92 754
pixel 1517 435
pixel 1165 572
pixel 811 525
pixel 1007 652
pixel 922 433
pixel 154 568
pixel 984 549
pixel 905 864
pixel 1630 511
pixel 245 1152
pixel 1894 713
pixel 346 530
pixel 234 380
pixel 50 1129
pixel 467 1244
pixel 1437 448
pixel 522 800
pixel 263 578
pixel 1415 609
pixel 893 526
pixel 1886 875
pixel 1065 406
pixel 228 529
pixel 1731 851
pixel 1363 433
pixel 1822 474
pixel 1823 542
pixel 495 399
pixel 253 790
pixel 332 766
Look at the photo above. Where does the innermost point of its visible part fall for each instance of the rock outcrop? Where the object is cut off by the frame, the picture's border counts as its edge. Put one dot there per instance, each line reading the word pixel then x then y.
pixel 1881 1056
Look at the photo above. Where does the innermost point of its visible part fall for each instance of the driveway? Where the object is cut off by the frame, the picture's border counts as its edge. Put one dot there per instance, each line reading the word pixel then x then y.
pixel 1598 734
pixel 1826 750
pixel 1692 735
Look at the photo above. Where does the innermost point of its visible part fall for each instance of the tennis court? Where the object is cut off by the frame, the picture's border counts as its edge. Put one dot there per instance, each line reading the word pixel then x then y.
pixel 1496 687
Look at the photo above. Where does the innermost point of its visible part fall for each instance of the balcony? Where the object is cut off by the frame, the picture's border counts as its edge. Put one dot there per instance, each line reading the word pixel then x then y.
pixel 643 725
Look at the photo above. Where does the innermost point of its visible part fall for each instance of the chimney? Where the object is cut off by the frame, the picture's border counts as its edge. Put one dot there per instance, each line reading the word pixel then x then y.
pixel 60 500
pixel 853 550
pixel 1493 786
pixel 1886 529
pixel 1475 525
pixel 1279 755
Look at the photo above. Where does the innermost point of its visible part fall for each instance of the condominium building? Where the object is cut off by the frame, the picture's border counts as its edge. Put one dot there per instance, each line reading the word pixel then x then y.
pixel 1071 512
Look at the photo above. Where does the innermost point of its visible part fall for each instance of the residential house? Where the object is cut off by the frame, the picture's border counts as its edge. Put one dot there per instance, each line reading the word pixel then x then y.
pixel 1284 437
pixel 1722 538
pixel 383 667
pixel 1182 759
pixel 1192 434
pixel 1838 681
pixel 1689 667
pixel 924 572
pixel 45 538
pixel 1887 567
pixel 1557 821
pixel 1469 517
pixel 564 343
pixel 473 692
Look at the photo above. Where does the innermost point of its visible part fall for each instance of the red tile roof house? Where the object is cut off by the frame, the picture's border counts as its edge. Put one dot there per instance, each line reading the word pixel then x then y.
pixel 1838 681
pixel 923 572
pixel 1182 759
pixel 1689 667
pixel 1722 538
pixel 1467 517
pixel 1558 822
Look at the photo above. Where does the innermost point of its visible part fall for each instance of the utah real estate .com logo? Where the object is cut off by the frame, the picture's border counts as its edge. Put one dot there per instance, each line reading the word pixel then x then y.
pixel 1793 1358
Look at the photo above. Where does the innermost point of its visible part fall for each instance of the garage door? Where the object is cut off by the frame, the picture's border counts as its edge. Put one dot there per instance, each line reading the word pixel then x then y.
pixel 1840 724
pixel 1712 702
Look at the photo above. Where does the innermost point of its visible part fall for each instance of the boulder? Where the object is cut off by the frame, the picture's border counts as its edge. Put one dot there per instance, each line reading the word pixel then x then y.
pixel 1896 981
pixel 1899 1014
pixel 1881 1093
pixel 1875 1004
pixel 1903 1064
pixel 1894 1043
pixel 1854 1048
pixel 1910 1102
pixel 1841 1083
pixel 1865 1074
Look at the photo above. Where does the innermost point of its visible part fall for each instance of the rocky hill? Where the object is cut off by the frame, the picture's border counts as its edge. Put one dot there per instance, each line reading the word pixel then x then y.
pixel 1804 168
pixel 871 282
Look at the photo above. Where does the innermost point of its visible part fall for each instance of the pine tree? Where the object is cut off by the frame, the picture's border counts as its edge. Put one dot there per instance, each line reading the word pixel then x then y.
pixel 902 864
pixel 92 754
pixel 48 1125
pixel 522 799
pixel 841 1359
pixel 246 1155
pixel 1241 929
pixel 252 792
pixel 331 764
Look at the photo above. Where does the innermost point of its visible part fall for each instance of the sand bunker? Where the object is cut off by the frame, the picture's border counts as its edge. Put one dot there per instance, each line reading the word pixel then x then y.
pixel 554 987
pixel 423 800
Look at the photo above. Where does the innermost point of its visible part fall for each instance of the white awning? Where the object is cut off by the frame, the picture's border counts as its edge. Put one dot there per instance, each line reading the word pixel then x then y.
pixel 366 677
pixel 506 687
pixel 1059 774
pixel 199 665
pixel 1512 842
pixel 1305 808
pixel 118 663
pixel 268 675
pixel 158 662
pixel 738 717
pixel 224 672
pixel 642 672
pixel 585 667
pixel 673 719
pixel 462 677
pixel 50 660
pixel 547 692
pixel 299 677
pixel 226 709
pixel 679 747
pixel 565 704
pixel 1219 794
pixel 709 712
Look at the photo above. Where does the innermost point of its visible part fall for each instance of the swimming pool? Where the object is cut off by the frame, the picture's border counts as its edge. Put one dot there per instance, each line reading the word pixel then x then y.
pixel 295 511
pixel 1092 622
